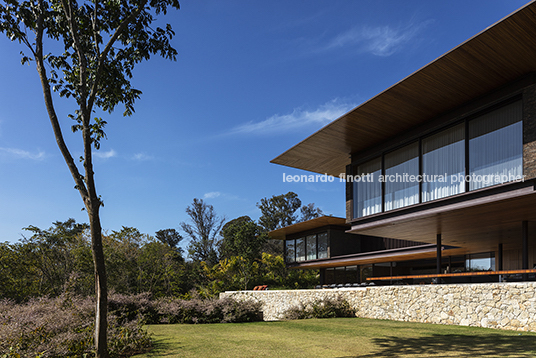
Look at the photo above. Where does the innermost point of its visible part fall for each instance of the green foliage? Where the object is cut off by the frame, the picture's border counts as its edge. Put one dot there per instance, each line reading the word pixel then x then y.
pixel 203 230
pixel 170 237
pixel 59 260
pixel 327 308
pixel 280 211
pixel 237 273
pixel 242 237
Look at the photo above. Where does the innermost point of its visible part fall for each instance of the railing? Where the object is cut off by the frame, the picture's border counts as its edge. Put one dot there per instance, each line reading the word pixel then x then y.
pixel 455 274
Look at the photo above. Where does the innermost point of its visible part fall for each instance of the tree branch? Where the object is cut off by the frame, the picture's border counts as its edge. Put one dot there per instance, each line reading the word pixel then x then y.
pixel 107 48
pixel 50 106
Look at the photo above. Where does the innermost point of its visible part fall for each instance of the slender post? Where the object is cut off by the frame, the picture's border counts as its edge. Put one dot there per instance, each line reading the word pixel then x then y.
pixel 500 260
pixel 391 271
pixel 525 238
pixel 438 243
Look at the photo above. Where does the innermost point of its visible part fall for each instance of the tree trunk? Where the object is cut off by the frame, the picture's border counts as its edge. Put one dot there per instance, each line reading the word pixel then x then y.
pixel 101 286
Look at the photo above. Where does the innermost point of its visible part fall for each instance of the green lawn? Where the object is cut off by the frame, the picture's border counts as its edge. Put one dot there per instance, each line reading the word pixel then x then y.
pixel 337 337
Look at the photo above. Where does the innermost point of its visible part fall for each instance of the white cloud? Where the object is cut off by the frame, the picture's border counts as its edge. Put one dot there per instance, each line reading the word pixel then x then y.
pixel 105 155
pixel 142 157
pixel 211 195
pixel 377 40
pixel 299 118
pixel 22 154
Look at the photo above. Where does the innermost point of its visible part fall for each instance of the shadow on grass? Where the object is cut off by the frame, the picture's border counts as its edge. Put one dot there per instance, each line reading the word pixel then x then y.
pixel 456 345
pixel 163 348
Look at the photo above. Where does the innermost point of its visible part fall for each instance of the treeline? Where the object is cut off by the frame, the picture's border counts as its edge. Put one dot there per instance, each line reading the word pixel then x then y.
pixel 221 256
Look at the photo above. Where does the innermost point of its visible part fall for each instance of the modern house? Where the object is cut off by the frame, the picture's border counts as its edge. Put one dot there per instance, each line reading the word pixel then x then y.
pixel 440 170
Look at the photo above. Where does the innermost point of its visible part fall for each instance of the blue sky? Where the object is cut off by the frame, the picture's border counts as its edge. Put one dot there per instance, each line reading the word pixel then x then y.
pixel 252 79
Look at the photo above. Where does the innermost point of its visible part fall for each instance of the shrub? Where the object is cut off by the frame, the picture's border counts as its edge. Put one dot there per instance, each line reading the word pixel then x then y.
pixel 327 308
pixel 198 310
pixel 63 327
pixel 173 310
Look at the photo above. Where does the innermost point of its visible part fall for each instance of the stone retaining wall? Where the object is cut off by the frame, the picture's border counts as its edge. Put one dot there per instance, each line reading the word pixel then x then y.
pixel 494 305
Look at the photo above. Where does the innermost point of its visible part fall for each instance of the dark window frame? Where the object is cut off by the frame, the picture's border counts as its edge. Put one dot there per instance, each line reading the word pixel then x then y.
pixel 465 121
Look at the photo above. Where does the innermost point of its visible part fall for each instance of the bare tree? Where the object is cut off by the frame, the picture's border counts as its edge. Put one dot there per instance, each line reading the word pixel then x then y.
pixel 203 231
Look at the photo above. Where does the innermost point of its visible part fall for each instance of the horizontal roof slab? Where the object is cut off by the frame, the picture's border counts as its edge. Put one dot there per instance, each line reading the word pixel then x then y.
pixel 495 57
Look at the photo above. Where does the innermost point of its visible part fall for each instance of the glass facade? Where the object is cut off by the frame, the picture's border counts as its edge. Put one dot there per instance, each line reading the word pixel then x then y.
pixel 290 251
pixel 300 249
pixel 443 157
pixel 368 189
pixel 400 165
pixel 477 153
pixel 496 146
pixel 310 247
pixel 323 245
pixel 342 275
pixel 480 262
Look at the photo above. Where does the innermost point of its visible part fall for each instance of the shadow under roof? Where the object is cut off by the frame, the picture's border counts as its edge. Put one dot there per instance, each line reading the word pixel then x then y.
pixel 312 224
pixel 493 58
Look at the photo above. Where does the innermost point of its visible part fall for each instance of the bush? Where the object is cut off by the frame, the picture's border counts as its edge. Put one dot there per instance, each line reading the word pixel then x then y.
pixel 327 308
pixel 174 310
pixel 63 327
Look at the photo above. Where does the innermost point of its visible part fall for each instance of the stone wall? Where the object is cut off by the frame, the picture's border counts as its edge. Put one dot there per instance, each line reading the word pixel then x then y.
pixel 494 305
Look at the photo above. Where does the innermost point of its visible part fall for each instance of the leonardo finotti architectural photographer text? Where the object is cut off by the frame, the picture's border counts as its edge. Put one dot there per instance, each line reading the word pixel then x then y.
pixel 404 178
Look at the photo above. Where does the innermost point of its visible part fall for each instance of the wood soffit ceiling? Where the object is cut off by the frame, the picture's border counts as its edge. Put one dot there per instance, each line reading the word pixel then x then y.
pixel 317 223
pixel 493 58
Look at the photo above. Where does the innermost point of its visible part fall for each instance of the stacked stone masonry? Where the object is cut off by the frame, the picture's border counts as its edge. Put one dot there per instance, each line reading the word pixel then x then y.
pixel 494 305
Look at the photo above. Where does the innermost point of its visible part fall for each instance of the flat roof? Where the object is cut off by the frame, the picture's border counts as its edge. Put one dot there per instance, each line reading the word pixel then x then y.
pixel 493 58
pixel 312 224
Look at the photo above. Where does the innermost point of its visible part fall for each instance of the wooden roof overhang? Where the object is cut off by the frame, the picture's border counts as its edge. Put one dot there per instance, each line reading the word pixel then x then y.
pixel 401 254
pixel 308 225
pixel 476 221
pixel 493 58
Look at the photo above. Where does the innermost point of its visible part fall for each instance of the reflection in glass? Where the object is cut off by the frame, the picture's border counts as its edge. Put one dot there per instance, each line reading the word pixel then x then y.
pixel 401 171
pixel 351 274
pixel 368 190
pixel 311 247
pixel 480 262
pixel 323 245
pixel 290 251
pixel 300 249
pixel 443 163
pixel 496 147
pixel 340 275
pixel 330 276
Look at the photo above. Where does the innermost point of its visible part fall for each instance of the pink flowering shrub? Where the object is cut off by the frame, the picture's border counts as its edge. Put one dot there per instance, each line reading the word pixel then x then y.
pixel 63 327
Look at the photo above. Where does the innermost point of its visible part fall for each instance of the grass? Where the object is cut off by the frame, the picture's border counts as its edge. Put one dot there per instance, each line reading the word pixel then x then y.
pixel 337 337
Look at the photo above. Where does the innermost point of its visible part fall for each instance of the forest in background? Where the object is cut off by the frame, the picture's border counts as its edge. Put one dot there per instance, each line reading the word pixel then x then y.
pixel 220 256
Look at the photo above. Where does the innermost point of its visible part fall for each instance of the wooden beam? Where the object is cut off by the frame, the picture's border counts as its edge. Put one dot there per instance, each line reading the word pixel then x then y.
pixel 457 274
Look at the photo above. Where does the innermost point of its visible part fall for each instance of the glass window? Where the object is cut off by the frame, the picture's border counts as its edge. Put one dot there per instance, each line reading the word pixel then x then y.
pixel 340 275
pixel 330 276
pixel 401 177
pixel 300 249
pixel 368 189
pixel 311 247
pixel 496 147
pixel 443 163
pixel 323 245
pixel 290 250
pixel 351 274
pixel 480 262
